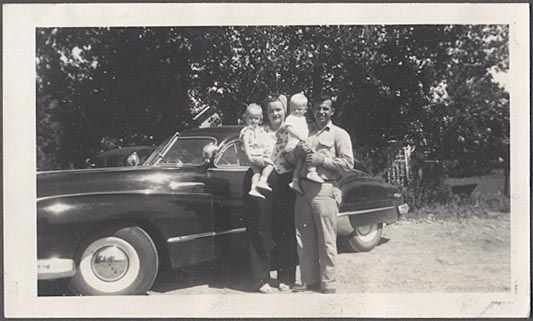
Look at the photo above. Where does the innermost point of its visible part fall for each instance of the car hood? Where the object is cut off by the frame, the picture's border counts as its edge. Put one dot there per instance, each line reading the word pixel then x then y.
pixel 118 179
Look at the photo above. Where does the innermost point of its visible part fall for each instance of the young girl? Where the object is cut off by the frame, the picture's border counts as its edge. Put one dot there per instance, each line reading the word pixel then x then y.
pixel 255 144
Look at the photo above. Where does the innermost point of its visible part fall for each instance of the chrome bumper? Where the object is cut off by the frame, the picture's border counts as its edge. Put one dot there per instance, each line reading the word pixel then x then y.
pixel 54 268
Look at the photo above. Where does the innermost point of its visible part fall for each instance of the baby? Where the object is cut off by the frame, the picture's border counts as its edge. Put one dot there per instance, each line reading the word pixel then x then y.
pixel 255 145
pixel 296 126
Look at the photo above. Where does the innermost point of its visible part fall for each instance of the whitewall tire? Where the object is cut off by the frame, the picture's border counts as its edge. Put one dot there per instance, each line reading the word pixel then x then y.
pixel 117 261
pixel 364 238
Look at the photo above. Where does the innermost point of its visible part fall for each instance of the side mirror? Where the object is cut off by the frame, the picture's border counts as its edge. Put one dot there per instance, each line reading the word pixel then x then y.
pixel 208 152
pixel 133 159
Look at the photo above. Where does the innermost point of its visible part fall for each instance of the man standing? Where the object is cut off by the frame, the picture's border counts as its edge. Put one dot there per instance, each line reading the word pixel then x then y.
pixel 316 209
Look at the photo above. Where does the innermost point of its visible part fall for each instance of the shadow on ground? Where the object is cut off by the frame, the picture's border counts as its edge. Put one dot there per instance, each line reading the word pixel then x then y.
pixel 232 274
pixel 341 248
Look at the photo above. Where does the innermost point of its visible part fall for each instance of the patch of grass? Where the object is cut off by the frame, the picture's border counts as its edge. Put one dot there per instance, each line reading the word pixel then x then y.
pixel 460 209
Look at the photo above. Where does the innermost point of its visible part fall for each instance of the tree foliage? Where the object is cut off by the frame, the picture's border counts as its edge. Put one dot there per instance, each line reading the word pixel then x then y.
pixel 430 86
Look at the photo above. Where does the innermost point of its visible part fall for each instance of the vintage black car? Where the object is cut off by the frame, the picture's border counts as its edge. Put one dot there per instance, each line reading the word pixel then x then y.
pixel 109 230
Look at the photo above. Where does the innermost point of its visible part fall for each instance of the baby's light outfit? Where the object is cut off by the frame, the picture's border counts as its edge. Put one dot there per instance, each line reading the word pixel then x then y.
pixel 299 125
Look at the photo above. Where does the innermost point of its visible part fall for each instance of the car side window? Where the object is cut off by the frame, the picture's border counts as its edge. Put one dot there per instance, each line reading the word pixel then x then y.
pixel 232 156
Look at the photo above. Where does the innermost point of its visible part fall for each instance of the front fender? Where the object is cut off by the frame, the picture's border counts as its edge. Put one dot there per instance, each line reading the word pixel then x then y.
pixel 64 221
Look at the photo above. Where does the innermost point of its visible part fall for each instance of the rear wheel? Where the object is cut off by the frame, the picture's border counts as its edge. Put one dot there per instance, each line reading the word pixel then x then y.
pixel 116 261
pixel 364 238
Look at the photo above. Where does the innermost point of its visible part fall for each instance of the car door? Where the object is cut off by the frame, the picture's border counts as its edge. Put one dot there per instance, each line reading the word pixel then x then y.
pixel 230 165
pixel 181 207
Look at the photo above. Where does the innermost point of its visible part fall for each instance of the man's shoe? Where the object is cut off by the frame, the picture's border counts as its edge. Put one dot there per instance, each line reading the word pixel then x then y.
pixel 283 287
pixel 299 288
pixel 328 291
pixel 266 289
pixel 305 288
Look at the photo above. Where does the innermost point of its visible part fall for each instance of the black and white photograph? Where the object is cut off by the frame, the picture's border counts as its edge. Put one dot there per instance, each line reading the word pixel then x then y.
pixel 257 160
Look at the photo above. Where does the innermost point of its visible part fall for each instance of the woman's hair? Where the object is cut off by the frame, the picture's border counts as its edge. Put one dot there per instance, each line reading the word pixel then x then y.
pixel 275 98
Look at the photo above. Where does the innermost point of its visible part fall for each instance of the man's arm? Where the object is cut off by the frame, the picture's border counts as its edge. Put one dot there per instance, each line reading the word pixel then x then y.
pixel 343 162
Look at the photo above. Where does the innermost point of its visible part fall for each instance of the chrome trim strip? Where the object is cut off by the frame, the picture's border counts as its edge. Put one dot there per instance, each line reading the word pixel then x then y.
pixel 233 231
pixel 94 170
pixel 186 184
pixel 134 192
pixel 191 237
pixel 230 169
pixel 365 211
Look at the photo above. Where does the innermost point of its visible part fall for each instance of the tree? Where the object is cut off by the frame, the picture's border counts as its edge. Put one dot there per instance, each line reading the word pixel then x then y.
pixel 431 85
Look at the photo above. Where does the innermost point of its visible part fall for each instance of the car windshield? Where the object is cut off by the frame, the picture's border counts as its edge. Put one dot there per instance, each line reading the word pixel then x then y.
pixel 182 151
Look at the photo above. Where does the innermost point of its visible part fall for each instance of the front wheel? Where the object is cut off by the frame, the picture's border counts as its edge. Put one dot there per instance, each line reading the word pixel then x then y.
pixel 116 262
pixel 364 238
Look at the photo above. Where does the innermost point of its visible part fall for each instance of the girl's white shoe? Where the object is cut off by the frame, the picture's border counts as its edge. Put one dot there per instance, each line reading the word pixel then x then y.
pixel 263 185
pixel 255 193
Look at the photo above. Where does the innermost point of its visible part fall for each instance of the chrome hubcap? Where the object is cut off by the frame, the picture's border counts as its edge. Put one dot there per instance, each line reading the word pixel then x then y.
pixel 110 263
pixel 364 230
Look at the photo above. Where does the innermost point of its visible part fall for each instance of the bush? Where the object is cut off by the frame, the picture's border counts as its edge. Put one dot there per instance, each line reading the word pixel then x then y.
pixel 419 194
pixel 467 168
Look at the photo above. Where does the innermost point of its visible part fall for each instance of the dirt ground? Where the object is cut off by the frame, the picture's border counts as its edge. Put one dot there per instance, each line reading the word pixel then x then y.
pixel 467 255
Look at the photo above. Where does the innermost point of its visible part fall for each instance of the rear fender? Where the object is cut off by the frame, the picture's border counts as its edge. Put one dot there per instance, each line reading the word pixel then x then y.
pixel 348 221
pixel 365 201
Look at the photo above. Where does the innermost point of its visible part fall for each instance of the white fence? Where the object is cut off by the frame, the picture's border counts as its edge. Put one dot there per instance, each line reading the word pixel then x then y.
pixel 399 171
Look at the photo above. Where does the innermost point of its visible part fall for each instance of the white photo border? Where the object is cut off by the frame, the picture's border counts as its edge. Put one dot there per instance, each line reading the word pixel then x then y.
pixel 20 283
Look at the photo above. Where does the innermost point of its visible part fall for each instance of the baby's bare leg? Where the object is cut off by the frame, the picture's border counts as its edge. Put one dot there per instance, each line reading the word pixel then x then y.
pixel 263 181
pixel 256 175
pixel 297 168
pixel 312 173
pixel 295 184
pixel 266 172
pixel 311 168
pixel 255 179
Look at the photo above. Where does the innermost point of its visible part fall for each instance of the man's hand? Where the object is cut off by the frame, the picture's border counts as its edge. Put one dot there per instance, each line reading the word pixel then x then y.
pixel 315 159
pixel 261 161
